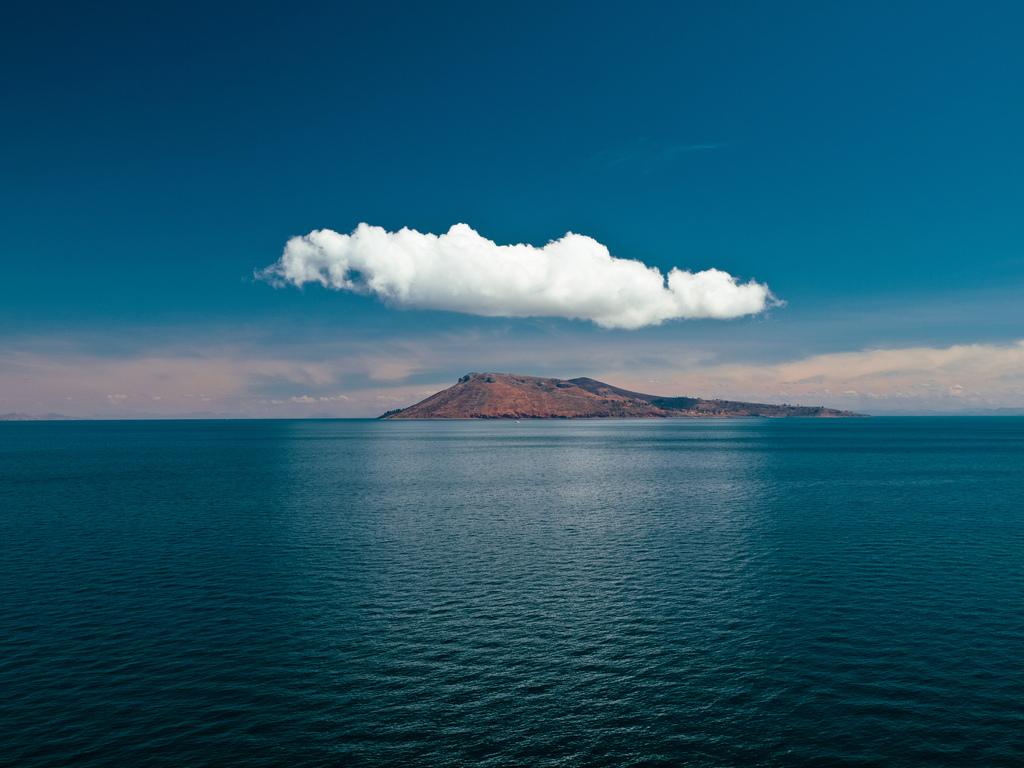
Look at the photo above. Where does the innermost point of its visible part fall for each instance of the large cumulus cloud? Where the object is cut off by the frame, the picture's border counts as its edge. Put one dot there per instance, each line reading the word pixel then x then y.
pixel 461 271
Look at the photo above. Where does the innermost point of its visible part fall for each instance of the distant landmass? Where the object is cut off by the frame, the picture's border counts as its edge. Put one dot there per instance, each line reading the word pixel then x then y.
pixel 511 396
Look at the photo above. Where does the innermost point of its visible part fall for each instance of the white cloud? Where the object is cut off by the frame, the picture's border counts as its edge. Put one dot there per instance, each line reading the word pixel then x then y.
pixel 460 271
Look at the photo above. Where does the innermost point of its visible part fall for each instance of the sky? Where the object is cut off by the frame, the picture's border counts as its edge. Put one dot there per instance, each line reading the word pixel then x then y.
pixel 281 210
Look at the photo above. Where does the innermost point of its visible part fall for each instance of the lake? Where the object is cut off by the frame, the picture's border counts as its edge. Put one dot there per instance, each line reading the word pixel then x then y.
pixel 545 593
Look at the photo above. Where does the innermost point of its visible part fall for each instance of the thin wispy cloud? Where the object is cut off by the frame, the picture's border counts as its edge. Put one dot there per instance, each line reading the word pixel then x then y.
pixel 572 277
pixel 682 149
pixel 646 156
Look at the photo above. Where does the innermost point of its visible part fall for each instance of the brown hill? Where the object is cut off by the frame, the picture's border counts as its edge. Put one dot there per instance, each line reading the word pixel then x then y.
pixel 510 396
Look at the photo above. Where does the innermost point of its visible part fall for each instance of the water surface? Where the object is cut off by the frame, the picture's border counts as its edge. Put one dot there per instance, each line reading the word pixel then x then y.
pixel 702 593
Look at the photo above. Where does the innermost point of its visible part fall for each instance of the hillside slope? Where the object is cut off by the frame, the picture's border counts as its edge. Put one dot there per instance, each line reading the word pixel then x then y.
pixel 512 396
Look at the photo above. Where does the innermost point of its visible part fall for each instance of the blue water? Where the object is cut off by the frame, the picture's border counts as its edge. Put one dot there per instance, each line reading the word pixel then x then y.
pixel 701 593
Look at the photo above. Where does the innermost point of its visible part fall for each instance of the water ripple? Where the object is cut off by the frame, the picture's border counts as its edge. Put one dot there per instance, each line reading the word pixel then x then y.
pixel 756 593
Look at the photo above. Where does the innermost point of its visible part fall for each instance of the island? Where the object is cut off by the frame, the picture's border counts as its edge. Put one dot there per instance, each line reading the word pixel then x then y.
pixel 513 396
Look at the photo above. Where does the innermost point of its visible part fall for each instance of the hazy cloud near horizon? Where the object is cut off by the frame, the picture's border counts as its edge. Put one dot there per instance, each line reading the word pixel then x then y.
pixel 358 379
pixel 573 277
pixel 958 378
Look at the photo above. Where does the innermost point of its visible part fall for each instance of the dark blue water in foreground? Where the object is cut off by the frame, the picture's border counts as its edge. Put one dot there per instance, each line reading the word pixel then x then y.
pixel 708 593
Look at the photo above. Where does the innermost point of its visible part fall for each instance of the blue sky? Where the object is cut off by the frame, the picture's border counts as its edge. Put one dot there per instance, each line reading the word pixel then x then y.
pixel 864 161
